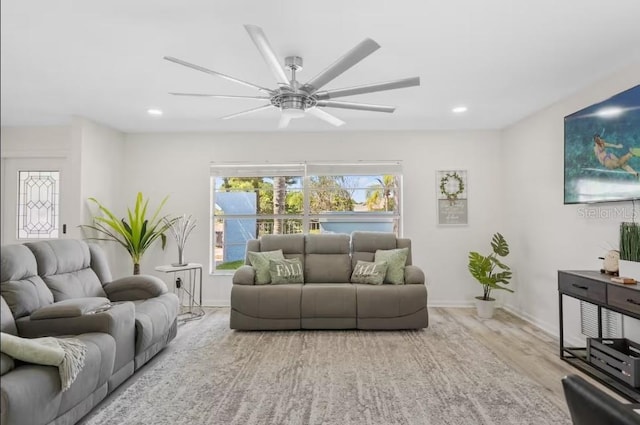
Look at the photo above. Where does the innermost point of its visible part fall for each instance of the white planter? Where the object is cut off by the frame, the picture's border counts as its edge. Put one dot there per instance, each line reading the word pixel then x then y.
pixel 629 269
pixel 485 308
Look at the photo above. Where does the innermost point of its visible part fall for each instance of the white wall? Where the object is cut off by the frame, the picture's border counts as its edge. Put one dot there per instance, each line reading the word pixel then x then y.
pixel 101 163
pixel 48 142
pixel 31 141
pixel 547 236
pixel 178 165
pixel 94 155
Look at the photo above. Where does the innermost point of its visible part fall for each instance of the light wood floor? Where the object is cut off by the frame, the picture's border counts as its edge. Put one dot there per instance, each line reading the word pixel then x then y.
pixel 527 349
pixel 523 346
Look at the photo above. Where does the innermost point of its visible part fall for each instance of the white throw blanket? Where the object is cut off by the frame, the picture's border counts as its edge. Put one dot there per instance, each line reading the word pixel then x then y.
pixel 66 353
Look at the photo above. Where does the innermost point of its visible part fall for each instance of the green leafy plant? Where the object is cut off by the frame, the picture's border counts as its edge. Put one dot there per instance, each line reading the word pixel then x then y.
pixel 135 233
pixel 630 241
pixel 488 270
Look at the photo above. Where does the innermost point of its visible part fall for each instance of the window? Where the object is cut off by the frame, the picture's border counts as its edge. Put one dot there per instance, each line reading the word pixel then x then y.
pixel 38 204
pixel 249 201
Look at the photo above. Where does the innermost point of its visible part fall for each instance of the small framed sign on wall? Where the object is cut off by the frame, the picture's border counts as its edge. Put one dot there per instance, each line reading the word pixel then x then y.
pixel 452 200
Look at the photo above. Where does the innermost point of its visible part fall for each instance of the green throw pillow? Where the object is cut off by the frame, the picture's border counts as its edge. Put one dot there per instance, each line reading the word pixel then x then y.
pixel 366 272
pixel 260 262
pixel 396 261
pixel 286 271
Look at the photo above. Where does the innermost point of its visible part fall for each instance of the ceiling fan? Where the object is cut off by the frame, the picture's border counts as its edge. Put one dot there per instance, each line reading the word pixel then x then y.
pixel 295 100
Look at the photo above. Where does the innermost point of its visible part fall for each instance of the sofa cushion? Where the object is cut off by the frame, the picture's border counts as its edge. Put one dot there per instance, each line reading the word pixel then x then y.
pixel 23 290
pixel 372 241
pixel 369 272
pixel 396 260
pixel 154 318
pixel 260 262
pixel 267 302
pixel 65 267
pixel 289 244
pixel 387 301
pixel 328 300
pixel 286 271
pixel 32 385
pixel 327 258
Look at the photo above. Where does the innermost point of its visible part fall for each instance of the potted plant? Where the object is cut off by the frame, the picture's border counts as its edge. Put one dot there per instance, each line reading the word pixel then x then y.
pixel 180 228
pixel 490 272
pixel 630 250
pixel 135 234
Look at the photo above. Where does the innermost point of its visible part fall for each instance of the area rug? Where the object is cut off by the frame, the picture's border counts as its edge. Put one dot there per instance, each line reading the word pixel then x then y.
pixel 440 375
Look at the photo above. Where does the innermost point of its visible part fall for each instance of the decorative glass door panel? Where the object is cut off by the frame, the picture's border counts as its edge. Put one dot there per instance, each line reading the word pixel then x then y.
pixel 35 198
pixel 38 204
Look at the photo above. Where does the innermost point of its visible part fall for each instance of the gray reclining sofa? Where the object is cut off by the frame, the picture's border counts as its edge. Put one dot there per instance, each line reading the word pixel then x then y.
pixel 327 299
pixel 64 288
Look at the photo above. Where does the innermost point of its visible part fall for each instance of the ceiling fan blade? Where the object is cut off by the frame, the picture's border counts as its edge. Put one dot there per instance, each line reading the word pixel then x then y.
pixel 249 111
pixel 368 88
pixel 217 74
pixel 261 42
pixel 221 96
pixel 284 121
pixel 352 57
pixel 325 116
pixel 356 106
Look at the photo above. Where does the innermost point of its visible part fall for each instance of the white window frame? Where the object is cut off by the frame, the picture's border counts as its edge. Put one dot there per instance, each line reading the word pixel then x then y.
pixel 306 170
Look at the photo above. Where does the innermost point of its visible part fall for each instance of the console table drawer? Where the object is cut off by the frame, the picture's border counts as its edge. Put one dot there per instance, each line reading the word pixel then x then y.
pixel 590 290
pixel 624 298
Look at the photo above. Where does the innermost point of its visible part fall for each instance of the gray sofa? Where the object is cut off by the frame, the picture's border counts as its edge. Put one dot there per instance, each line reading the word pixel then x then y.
pixel 327 299
pixel 64 288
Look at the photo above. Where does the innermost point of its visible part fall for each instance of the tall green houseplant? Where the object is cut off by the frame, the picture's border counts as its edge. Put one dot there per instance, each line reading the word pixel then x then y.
pixel 488 270
pixel 136 232
pixel 630 241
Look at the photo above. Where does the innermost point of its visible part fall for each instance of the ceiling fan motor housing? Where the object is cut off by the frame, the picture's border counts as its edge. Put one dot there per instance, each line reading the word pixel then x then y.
pixel 293 62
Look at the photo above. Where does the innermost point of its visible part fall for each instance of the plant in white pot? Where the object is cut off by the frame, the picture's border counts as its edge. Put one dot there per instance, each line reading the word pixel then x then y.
pixel 630 250
pixel 490 272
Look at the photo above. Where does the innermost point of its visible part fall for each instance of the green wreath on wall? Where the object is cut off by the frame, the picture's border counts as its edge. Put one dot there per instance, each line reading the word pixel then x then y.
pixel 451 196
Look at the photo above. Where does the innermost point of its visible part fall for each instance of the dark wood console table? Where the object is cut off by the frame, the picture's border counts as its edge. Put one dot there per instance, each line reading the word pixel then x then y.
pixel 596 288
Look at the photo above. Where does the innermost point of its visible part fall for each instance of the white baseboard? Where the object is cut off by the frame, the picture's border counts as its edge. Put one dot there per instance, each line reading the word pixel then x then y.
pixel 456 303
pixel 216 303
pixel 549 329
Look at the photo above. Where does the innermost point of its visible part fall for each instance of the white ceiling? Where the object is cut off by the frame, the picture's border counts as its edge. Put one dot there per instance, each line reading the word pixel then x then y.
pixel 504 59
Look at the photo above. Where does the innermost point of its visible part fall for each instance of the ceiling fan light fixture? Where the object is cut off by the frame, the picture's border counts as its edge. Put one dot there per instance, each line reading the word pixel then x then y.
pixel 292 107
pixel 293 113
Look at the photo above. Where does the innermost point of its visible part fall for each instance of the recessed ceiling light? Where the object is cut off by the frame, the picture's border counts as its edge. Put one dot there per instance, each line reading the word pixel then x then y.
pixel 459 109
pixel 154 112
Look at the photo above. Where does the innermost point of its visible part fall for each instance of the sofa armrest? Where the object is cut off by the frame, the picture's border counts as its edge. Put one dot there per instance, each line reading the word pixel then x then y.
pixel 244 275
pixel 71 308
pixel 137 287
pixel 117 321
pixel 6 364
pixel 413 275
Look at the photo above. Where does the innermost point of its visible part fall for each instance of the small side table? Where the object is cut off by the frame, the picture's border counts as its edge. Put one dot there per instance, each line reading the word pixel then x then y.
pixel 194 272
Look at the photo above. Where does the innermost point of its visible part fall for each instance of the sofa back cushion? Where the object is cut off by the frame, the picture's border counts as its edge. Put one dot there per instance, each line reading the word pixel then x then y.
pixel 327 258
pixel 99 263
pixel 365 244
pixel 21 287
pixel 292 246
pixel 65 267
